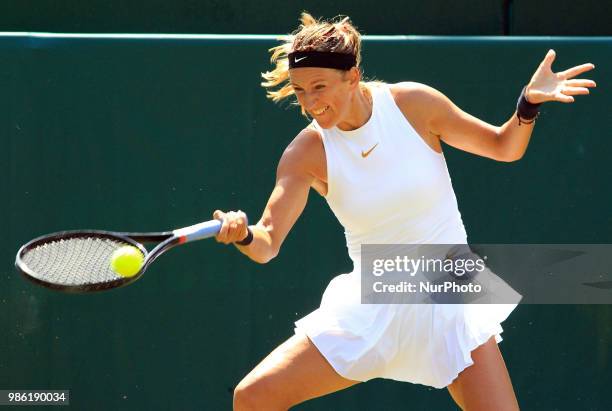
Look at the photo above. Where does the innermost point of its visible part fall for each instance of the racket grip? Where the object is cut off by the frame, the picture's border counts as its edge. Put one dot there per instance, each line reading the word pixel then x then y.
pixel 198 231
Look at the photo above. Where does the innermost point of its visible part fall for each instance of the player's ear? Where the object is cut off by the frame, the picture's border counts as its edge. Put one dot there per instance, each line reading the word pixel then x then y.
pixel 353 76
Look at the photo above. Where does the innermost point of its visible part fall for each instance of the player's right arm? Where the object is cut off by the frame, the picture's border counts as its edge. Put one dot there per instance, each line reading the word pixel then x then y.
pixel 295 174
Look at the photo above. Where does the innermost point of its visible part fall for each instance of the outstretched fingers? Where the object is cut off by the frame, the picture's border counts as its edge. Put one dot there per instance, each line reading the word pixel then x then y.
pixel 575 91
pixel 548 59
pixel 562 97
pixel 574 88
pixel 574 71
pixel 580 83
pixel 565 94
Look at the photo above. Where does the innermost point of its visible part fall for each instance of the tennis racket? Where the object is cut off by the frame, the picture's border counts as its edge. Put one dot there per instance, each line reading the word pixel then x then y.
pixel 79 261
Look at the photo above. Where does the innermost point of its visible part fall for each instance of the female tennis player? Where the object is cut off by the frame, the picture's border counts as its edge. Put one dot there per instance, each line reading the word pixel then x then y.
pixel 373 150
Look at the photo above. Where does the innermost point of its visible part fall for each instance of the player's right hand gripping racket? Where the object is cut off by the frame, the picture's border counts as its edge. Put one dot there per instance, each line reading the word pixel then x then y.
pixel 79 261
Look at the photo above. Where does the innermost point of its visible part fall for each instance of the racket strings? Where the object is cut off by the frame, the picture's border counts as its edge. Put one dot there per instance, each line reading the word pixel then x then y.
pixel 73 261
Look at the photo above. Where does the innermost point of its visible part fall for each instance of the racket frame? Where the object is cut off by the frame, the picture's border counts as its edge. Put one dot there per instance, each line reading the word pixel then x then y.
pixel 166 239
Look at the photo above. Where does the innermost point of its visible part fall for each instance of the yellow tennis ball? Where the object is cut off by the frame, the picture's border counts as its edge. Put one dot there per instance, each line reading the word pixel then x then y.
pixel 127 261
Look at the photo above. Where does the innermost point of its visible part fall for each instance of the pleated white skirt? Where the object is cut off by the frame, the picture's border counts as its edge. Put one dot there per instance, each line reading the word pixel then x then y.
pixel 427 344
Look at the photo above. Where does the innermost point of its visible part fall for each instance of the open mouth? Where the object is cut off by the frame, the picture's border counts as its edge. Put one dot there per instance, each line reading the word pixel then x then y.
pixel 320 111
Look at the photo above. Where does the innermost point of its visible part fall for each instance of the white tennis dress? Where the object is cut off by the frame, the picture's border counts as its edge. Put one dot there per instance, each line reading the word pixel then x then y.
pixel 387 186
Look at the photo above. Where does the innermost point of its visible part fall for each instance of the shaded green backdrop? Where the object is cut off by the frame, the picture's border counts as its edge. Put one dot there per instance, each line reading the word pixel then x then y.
pixel 559 17
pixel 154 133
pixel 245 16
pixel 423 17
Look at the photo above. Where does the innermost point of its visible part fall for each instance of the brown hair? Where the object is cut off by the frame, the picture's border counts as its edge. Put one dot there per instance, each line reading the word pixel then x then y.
pixel 337 35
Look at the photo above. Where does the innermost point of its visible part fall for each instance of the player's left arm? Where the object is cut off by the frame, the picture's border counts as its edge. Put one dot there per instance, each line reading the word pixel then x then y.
pixel 509 141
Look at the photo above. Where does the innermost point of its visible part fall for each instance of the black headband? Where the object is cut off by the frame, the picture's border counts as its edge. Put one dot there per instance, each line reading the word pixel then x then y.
pixel 324 59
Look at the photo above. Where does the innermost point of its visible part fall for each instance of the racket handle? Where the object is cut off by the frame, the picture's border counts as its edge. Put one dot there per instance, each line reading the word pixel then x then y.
pixel 198 231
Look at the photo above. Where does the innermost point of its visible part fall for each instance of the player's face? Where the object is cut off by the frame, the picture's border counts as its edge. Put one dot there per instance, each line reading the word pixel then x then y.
pixel 325 94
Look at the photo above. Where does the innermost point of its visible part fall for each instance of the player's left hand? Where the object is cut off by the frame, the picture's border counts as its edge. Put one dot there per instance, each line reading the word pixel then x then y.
pixel 546 85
